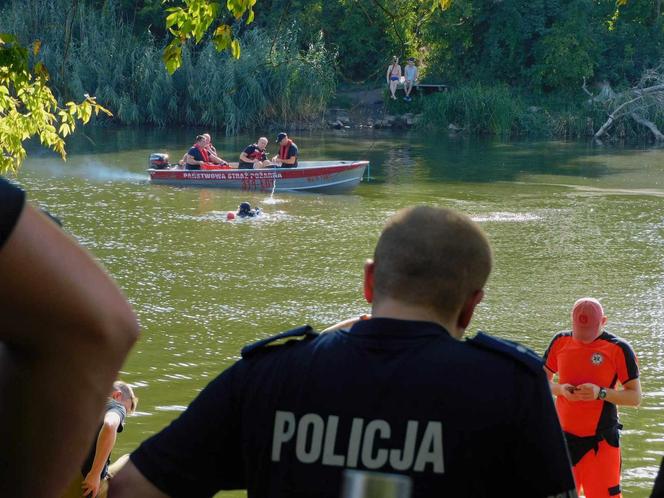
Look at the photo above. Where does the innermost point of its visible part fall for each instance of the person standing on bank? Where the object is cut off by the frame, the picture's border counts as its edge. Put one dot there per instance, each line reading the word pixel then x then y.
pixel 393 76
pixel 287 157
pixel 287 418
pixel 121 403
pixel 589 363
pixel 411 74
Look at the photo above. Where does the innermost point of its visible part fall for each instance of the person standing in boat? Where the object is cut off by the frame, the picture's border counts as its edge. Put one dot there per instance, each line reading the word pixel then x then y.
pixel 393 76
pixel 399 392
pixel 255 155
pixel 288 151
pixel 589 362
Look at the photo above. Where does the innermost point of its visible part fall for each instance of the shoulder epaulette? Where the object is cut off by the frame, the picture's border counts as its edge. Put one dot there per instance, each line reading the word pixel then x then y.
pixel 520 353
pixel 304 332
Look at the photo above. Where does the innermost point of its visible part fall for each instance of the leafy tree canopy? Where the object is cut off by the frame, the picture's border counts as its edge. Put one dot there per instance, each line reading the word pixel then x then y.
pixel 28 107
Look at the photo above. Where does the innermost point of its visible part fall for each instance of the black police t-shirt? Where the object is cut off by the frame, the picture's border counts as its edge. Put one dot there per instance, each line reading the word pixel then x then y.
pixel 388 396
pixel 12 200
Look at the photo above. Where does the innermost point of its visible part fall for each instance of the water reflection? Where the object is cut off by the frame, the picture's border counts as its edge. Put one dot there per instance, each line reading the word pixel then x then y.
pixel 565 220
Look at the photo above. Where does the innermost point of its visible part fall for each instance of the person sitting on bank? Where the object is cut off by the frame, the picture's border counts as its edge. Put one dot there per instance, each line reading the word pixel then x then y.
pixel 255 155
pixel 393 76
pixel 411 73
pixel 287 157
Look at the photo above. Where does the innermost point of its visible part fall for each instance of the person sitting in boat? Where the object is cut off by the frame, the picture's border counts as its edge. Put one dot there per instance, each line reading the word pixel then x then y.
pixel 212 152
pixel 245 211
pixel 202 155
pixel 198 155
pixel 287 157
pixel 255 155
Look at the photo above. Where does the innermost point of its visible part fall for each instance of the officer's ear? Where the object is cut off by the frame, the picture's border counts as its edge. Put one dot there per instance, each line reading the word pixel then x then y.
pixel 468 308
pixel 368 280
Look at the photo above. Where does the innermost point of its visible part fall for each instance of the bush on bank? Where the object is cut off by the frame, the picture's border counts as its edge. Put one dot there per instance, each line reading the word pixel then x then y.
pixel 500 111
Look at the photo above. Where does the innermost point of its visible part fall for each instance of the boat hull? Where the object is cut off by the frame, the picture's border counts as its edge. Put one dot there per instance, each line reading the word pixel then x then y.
pixel 318 176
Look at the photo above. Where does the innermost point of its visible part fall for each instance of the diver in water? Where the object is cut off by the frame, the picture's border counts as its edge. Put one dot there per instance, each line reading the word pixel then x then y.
pixel 245 211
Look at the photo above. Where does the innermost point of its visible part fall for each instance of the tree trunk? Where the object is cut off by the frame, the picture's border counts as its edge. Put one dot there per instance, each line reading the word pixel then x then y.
pixel 650 125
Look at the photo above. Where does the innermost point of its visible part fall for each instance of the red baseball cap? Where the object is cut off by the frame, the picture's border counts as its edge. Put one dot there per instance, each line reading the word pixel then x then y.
pixel 587 319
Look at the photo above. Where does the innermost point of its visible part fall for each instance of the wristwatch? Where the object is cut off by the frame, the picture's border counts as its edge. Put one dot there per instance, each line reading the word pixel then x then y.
pixel 602 393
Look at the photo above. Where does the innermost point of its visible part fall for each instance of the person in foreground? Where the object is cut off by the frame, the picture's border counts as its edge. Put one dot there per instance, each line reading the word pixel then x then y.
pixel 288 152
pixel 399 392
pixel 66 329
pixel 589 363
pixel 91 481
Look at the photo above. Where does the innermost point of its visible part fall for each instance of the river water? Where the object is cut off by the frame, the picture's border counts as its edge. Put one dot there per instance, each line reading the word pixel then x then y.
pixel 565 219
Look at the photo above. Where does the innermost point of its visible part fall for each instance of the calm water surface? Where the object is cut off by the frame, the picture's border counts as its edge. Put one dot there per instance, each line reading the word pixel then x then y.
pixel 565 219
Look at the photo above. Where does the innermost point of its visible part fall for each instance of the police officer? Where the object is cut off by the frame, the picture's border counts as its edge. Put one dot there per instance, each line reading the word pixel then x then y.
pixel 399 392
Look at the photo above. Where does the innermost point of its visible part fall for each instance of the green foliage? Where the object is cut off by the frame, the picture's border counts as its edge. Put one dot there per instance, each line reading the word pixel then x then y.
pixel 270 83
pixel 499 111
pixel 193 21
pixel 478 109
pixel 543 46
pixel 28 107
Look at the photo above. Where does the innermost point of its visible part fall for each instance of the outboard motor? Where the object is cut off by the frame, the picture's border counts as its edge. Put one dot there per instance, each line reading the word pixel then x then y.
pixel 159 161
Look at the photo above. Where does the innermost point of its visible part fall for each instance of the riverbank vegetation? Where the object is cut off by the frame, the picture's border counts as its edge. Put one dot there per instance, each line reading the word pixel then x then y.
pixel 515 68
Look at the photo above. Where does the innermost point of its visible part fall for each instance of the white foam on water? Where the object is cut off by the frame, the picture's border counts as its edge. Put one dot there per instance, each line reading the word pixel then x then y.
pixel 507 217
pixel 272 201
pixel 170 408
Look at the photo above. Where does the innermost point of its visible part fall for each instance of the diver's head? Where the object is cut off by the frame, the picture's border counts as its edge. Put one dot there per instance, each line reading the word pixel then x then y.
pixel 244 209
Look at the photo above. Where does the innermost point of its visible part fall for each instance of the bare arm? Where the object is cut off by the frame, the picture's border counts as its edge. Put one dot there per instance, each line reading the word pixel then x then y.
pixel 566 390
pixel 105 442
pixel 194 162
pixel 290 160
pixel 346 323
pixel 629 395
pixel 66 329
pixel 130 483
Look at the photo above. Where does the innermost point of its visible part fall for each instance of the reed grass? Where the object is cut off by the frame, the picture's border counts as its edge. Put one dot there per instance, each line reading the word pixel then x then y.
pixel 478 109
pixel 274 82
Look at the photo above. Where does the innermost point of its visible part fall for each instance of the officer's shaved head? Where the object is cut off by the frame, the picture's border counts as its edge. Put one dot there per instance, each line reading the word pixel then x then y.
pixel 433 257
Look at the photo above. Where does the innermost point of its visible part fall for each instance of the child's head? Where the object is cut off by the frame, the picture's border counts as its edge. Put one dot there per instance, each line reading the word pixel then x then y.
pixel 124 394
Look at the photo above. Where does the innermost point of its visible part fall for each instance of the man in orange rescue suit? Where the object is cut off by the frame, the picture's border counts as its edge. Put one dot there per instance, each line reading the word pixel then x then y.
pixel 590 363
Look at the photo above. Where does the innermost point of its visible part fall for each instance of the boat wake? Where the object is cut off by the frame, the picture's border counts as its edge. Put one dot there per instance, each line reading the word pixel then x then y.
pixel 96 172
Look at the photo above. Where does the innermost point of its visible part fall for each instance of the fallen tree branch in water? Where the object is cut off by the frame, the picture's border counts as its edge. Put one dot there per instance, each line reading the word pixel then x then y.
pixel 640 103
